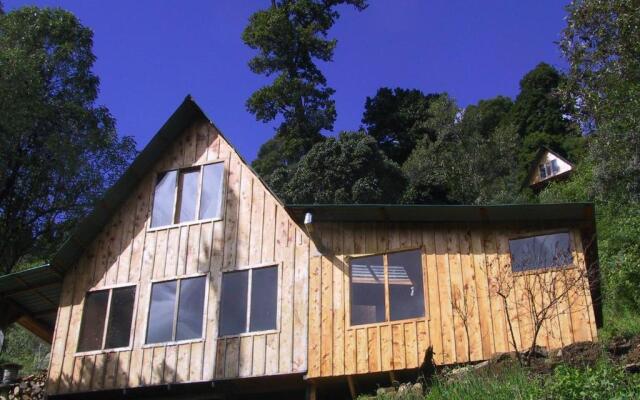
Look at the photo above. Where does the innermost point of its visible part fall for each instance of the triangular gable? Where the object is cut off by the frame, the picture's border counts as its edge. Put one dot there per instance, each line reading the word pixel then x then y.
pixel 547 165
pixel 89 227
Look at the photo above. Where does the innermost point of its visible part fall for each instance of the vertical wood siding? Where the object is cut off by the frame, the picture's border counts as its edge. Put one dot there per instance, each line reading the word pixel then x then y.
pixel 460 264
pixel 254 230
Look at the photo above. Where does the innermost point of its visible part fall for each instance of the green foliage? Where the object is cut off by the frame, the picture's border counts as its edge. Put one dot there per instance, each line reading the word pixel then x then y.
pixel 619 253
pixel 398 120
pixel 289 37
pixel 539 116
pixel 349 169
pixel 58 150
pixel 538 108
pixel 24 348
pixel 605 381
pixel 514 384
pixel 486 116
pixel 602 45
pixel 463 165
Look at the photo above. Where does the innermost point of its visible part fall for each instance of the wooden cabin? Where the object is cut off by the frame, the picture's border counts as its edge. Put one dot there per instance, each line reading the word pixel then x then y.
pixel 548 166
pixel 191 278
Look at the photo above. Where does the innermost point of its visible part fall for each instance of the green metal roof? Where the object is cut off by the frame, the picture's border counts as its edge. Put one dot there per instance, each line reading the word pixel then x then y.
pixel 34 292
pixel 516 213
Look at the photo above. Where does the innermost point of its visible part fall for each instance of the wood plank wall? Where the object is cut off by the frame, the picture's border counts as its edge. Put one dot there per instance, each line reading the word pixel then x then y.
pixel 255 229
pixel 458 262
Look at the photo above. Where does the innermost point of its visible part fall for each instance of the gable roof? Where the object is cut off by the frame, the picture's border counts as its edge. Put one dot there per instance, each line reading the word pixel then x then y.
pixel 536 160
pixel 89 227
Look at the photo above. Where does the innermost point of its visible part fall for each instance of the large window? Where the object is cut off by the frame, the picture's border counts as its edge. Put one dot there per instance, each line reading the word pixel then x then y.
pixel 106 319
pixel 177 310
pixel 249 301
pixel 387 287
pixel 187 195
pixel 542 251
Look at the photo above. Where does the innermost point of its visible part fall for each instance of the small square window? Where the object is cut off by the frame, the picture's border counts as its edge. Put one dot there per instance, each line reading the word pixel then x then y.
pixel 249 301
pixel 97 332
pixel 542 251
pixel 177 310
pixel 387 287
pixel 543 172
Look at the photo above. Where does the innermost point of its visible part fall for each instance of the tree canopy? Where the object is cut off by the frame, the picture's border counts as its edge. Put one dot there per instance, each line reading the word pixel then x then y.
pixel 58 149
pixel 602 45
pixel 290 37
pixel 398 120
pixel 347 169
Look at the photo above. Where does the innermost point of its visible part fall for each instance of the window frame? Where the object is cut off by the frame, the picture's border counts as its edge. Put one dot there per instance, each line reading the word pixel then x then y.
pixel 387 296
pixel 175 311
pixel 176 197
pixel 533 271
pixel 250 268
pixel 104 350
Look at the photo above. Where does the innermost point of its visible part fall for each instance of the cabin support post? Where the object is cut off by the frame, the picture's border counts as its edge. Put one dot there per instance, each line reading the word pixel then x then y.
pixel 312 391
pixel 352 386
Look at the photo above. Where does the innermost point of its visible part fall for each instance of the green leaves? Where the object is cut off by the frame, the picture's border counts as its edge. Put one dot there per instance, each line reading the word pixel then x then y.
pixel 349 169
pixel 58 150
pixel 290 37
pixel 602 44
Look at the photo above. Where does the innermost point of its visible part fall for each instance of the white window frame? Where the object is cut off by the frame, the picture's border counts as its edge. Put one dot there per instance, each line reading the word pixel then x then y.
pixel 175 311
pixel 250 269
pixel 174 212
pixel 102 349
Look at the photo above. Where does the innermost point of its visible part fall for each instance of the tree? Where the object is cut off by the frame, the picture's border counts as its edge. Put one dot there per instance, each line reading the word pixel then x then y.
pixel 464 164
pixel 485 117
pixel 601 44
pixel 58 150
pixel 541 118
pixel 289 37
pixel 349 169
pixel 398 120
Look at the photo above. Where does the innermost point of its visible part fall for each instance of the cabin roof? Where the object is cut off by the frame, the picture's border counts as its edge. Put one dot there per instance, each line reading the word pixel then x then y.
pixel 516 213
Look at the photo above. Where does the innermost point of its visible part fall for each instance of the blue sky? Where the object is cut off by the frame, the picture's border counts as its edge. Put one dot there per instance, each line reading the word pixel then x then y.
pixel 151 53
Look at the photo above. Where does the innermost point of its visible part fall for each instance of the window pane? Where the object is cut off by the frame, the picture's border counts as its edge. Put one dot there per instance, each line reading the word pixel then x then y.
pixel 233 306
pixel 264 297
pixel 120 314
pixel 187 194
pixel 542 251
pixel 406 296
pixel 190 308
pixel 160 327
pixel 367 290
pixel 554 166
pixel 93 316
pixel 210 199
pixel 543 172
pixel 163 199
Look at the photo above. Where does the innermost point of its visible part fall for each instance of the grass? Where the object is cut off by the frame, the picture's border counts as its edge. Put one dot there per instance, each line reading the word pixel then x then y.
pixel 619 323
pixel 514 384
pixel 604 381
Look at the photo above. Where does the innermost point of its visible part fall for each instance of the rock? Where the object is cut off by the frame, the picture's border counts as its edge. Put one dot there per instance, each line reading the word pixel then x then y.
pixel 619 346
pixel 481 365
pixel 580 354
pixel 538 352
pixel 632 368
pixel 403 390
pixel 385 390
pixel 417 388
